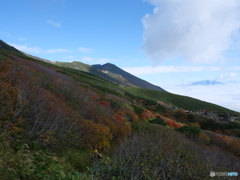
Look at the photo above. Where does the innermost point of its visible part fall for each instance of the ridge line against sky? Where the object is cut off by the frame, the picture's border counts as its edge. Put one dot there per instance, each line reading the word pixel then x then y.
pixel 170 43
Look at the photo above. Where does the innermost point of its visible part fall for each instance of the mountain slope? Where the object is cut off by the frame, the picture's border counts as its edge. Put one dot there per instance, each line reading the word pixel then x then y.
pixel 52 118
pixel 111 73
pixel 6 46
pixel 179 101
pixel 101 78
pixel 125 77
pixel 88 69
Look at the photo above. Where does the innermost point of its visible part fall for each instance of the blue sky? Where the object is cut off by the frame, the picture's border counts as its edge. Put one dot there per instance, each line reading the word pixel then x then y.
pixel 170 43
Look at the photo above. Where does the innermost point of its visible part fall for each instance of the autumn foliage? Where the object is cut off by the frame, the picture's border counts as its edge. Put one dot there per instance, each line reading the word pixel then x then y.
pixel 173 124
pixel 58 109
pixel 229 144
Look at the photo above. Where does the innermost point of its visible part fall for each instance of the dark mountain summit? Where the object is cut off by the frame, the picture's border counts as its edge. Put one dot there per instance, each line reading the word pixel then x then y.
pixel 125 77
pixel 5 46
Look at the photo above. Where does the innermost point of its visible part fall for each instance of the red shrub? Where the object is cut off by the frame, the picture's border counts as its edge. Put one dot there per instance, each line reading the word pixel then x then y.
pixel 105 103
pixel 173 124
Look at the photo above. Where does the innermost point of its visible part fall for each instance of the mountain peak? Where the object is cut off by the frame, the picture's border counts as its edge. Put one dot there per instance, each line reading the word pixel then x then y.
pixel 6 46
pixel 109 64
pixel 125 77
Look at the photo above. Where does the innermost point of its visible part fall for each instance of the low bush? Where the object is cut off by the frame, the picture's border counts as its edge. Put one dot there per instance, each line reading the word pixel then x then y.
pixel 158 120
pixel 189 131
pixel 159 153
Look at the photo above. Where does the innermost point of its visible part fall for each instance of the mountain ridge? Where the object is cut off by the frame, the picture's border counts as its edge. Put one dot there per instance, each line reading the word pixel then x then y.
pixel 112 73
pixel 131 79
pixel 6 46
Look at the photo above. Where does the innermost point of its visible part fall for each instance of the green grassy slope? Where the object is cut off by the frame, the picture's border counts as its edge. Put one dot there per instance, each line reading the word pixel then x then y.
pixel 184 102
pixel 75 65
pixel 88 68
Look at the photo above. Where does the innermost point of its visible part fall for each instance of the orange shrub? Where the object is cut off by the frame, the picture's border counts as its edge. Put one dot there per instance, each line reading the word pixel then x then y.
pixel 147 114
pixel 105 103
pixel 173 124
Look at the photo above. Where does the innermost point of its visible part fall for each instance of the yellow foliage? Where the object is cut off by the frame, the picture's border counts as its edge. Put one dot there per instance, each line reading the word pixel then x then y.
pixel 17 129
pixel 204 138
pixel 8 100
pixel 194 125
pixel 97 135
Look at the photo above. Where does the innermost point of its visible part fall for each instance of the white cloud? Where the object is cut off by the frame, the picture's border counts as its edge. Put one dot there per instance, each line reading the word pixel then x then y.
pixel 228 77
pixel 144 70
pixel 26 48
pixel 57 24
pixel 57 50
pixel 85 50
pixel 197 30
pixel 227 95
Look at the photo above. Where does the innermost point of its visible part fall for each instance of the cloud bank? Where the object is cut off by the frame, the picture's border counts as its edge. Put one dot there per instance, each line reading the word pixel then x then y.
pixel 229 93
pixel 199 31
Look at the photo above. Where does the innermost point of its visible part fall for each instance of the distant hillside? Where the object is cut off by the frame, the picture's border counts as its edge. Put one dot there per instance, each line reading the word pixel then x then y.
pixel 38 58
pixel 205 83
pixel 75 65
pixel 88 68
pixel 6 46
pixel 125 77
pixel 111 73
pixel 184 102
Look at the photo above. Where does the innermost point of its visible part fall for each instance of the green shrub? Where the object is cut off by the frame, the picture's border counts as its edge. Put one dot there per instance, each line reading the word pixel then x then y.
pixel 190 131
pixel 160 109
pixel 80 159
pixel 138 110
pixel 191 118
pixel 39 164
pixel 158 120
pixel 158 153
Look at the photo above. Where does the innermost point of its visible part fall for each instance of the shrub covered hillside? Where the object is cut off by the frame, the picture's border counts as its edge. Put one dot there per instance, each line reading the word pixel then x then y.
pixel 53 118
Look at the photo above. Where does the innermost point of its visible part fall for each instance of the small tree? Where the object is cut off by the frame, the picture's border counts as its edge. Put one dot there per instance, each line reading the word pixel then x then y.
pixel 158 120
pixel 189 131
